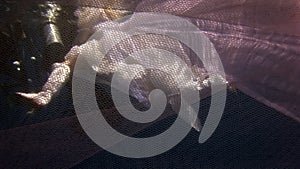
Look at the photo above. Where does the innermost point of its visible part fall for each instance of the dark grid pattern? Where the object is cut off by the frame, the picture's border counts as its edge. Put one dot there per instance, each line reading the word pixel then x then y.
pixel 250 135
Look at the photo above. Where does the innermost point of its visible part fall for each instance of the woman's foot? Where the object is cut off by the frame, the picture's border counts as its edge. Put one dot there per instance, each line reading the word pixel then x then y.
pixel 35 100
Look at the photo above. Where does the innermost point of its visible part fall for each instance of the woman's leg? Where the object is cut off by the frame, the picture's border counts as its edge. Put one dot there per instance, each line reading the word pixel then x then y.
pixel 58 77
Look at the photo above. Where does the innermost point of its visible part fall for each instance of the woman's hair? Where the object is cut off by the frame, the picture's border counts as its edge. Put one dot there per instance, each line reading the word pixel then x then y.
pixel 92 12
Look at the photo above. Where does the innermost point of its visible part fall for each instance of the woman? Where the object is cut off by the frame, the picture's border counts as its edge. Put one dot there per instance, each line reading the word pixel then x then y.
pixel 256 40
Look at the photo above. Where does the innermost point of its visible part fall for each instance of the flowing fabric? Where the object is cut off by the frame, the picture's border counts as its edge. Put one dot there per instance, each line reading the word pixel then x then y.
pixel 257 42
